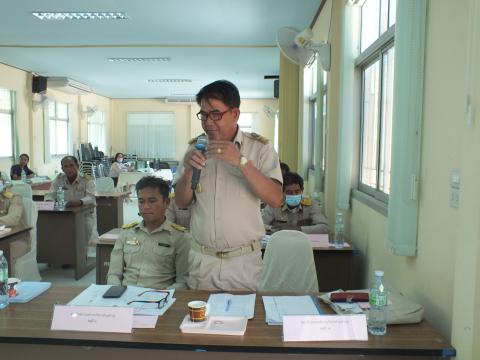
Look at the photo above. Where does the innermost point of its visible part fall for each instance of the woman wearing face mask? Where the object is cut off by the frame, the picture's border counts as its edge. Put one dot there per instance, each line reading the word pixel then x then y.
pixel 117 167
pixel 296 213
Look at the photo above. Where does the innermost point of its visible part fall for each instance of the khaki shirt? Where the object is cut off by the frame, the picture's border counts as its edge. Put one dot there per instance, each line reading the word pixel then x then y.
pixel 310 210
pixel 82 188
pixel 11 207
pixel 155 260
pixel 177 215
pixel 227 215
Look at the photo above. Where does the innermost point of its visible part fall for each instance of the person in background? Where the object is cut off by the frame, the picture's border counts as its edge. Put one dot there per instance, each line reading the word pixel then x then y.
pixel 297 213
pixel 153 253
pixel 16 170
pixel 11 209
pixel 238 170
pixel 79 190
pixel 117 167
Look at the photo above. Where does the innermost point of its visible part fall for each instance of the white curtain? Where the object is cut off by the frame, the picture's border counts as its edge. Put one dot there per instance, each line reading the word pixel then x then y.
pixel 96 130
pixel 151 135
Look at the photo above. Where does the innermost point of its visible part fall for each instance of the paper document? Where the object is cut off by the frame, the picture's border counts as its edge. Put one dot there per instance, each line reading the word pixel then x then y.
pixel 144 322
pixel 28 290
pixel 278 306
pixel 93 296
pixel 232 305
pixel 325 328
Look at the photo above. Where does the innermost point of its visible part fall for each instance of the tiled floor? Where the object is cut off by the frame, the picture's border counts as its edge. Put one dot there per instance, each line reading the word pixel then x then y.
pixel 59 275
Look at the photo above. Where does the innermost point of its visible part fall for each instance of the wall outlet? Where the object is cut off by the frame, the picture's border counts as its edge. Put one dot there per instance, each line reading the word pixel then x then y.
pixel 454 194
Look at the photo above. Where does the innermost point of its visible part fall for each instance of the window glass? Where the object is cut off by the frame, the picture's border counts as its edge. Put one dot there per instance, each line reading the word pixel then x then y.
pixel 58 128
pixel 371 98
pixel 370 23
pixel 96 130
pixel 6 123
pixel 245 122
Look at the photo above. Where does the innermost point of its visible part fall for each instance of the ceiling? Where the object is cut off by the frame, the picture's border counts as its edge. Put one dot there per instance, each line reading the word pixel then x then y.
pixel 206 40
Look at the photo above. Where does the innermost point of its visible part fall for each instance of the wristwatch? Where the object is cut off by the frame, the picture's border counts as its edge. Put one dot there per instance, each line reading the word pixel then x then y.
pixel 243 161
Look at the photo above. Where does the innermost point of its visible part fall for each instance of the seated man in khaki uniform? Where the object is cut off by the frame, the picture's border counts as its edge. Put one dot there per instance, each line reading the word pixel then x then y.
pixel 153 253
pixel 79 190
pixel 297 213
pixel 11 209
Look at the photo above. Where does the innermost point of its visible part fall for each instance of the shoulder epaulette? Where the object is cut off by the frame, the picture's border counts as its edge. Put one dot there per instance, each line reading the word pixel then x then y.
pixel 8 194
pixel 87 177
pixel 171 196
pixel 178 227
pixel 130 225
pixel 194 140
pixel 257 137
pixel 306 202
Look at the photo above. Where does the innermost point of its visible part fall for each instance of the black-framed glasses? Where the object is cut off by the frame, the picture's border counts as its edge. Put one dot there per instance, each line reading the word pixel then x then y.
pixel 161 303
pixel 215 115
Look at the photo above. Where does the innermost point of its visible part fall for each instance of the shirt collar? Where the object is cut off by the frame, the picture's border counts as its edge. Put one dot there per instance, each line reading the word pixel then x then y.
pixel 238 139
pixel 164 227
pixel 299 208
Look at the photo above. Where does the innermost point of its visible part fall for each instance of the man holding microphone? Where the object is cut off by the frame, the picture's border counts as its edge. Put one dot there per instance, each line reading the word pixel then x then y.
pixel 237 171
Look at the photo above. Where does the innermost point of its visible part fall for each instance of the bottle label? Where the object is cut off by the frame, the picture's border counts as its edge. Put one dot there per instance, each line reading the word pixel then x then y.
pixel 378 299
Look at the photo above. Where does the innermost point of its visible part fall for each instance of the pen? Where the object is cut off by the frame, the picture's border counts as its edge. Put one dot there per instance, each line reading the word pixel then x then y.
pixel 227 307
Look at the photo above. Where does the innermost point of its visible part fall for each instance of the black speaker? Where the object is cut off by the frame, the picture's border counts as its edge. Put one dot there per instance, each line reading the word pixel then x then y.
pixel 276 84
pixel 39 84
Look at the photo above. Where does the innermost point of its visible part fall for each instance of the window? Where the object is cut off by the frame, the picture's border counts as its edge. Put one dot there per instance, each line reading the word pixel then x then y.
pixel 96 130
pixel 6 123
pixel 58 128
pixel 375 63
pixel 151 135
pixel 246 122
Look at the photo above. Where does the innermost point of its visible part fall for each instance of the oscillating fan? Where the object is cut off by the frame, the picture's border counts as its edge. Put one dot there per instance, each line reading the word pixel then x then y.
pixel 297 46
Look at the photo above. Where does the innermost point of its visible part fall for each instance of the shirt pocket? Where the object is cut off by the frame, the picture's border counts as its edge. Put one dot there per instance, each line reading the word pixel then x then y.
pixel 164 258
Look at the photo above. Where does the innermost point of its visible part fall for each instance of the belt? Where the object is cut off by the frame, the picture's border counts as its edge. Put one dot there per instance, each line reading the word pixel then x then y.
pixel 242 250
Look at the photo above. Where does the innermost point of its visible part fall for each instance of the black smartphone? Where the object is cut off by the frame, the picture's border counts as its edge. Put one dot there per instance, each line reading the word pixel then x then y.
pixel 114 291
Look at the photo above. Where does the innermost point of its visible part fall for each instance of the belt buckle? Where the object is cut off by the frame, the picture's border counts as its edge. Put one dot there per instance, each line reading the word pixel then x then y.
pixel 221 254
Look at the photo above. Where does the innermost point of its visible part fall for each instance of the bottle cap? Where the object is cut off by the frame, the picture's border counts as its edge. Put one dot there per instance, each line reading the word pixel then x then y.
pixel 379 273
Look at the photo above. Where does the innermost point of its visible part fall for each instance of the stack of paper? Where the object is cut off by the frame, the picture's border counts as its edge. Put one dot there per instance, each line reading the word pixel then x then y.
pixel 278 306
pixel 215 325
pixel 232 305
pixel 28 290
pixel 93 296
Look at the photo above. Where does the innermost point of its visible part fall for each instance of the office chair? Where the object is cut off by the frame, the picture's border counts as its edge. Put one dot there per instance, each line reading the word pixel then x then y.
pixel 288 264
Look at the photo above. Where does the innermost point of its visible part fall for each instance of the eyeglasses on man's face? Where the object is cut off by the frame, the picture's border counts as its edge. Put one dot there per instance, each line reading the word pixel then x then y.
pixel 160 303
pixel 215 115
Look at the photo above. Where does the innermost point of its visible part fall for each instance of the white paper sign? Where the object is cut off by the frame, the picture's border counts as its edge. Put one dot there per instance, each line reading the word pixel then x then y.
pixel 92 318
pixel 325 328
pixel 45 205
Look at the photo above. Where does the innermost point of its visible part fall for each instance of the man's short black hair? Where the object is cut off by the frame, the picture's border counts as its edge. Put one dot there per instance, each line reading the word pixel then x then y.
pixel 163 186
pixel 292 178
pixel 26 155
pixel 69 157
pixel 285 168
pixel 222 90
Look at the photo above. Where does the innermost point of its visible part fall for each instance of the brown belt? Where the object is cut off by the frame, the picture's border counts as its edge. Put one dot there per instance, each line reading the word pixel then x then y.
pixel 242 250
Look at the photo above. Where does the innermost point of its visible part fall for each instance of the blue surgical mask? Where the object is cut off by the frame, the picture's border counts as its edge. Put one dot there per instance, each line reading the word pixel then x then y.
pixel 293 200
pixel 120 160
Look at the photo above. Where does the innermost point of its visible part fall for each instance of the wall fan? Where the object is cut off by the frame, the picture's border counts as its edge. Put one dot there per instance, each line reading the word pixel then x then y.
pixel 298 47
pixel 90 110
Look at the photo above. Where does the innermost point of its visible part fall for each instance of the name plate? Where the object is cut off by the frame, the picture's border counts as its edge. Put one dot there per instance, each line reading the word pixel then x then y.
pixel 325 328
pixel 92 318
pixel 45 205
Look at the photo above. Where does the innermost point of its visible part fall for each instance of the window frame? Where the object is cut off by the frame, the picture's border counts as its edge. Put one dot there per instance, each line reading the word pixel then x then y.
pixel 373 53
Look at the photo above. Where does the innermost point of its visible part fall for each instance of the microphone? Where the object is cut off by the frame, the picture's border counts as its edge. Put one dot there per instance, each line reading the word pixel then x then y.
pixel 201 145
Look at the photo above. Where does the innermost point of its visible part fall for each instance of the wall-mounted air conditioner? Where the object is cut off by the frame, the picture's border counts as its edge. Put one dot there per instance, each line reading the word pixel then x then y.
pixel 179 99
pixel 68 85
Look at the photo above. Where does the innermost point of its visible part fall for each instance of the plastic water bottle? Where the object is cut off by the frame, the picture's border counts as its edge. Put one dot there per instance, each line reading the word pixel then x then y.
pixel 23 175
pixel 3 281
pixel 377 315
pixel 60 199
pixel 339 239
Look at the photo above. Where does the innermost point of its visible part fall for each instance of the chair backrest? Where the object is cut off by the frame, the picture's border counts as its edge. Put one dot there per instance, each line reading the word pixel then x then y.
pixel 288 264
pixel 24 190
pixel 104 184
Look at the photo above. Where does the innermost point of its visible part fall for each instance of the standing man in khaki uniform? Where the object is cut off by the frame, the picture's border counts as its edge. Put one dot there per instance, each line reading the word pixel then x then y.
pixel 79 190
pixel 238 170
pixel 297 213
pixel 153 253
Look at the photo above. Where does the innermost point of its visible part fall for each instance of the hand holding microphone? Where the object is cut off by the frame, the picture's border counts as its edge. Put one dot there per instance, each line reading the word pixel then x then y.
pixel 200 145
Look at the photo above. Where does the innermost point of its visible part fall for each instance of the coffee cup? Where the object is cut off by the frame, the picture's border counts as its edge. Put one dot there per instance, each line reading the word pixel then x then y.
pixel 198 310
